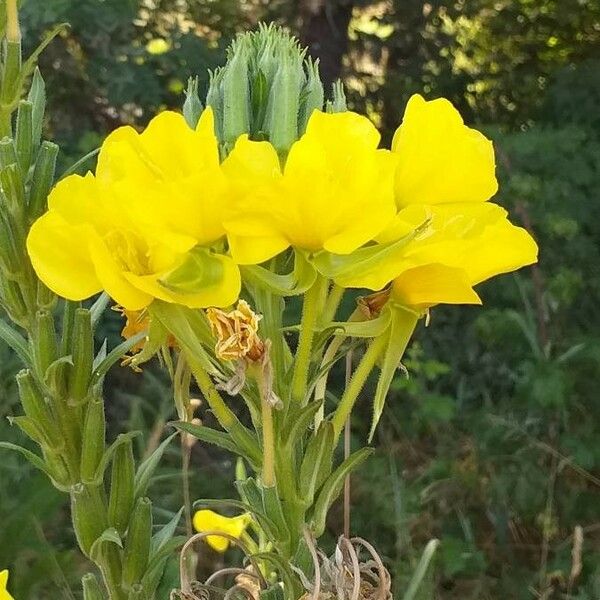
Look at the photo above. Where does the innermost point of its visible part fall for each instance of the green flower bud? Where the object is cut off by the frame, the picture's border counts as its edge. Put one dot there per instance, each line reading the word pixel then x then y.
pixel 83 355
pixel 42 179
pixel 121 487
pixel 91 587
pixel 93 440
pixel 24 135
pixel 45 343
pixel 137 545
pixel 37 97
pixel 214 98
pixel 236 92
pixel 192 107
pixel 312 96
pixel 338 104
pixel 89 515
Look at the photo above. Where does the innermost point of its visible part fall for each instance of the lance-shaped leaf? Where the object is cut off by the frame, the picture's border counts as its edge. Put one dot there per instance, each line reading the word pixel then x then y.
pixel 402 326
pixel 332 488
pixel 147 468
pixel 317 462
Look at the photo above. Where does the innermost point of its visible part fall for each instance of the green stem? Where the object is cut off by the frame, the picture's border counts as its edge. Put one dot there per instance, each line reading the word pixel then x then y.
pixel 313 302
pixel 357 383
pixel 333 302
pixel 268 467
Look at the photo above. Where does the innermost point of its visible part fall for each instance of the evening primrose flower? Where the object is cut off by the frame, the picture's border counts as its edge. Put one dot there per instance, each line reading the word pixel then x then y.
pixel 334 193
pixel 4 595
pixel 207 520
pixel 145 225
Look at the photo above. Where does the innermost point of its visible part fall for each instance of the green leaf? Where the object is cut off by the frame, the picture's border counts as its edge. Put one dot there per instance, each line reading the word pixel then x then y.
pixel 402 327
pixel 421 570
pixel 210 436
pixel 15 341
pixel 317 462
pixel 274 511
pixel 116 354
pixel 291 284
pixel 109 536
pixel 30 63
pixel 333 486
pixel 290 581
pixel 147 468
pixel 34 459
pixel 298 422
pixel 160 539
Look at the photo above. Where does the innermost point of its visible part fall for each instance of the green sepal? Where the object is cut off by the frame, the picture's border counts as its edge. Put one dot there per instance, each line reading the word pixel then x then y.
pixel 318 461
pixel 147 467
pixel 333 486
pixel 121 487
pixel 364 329
pixel 402 326
pixel 88 515
pixel 290 284
pixel 94 440
pixel 200 269
pixel 137 543
pixel 91 587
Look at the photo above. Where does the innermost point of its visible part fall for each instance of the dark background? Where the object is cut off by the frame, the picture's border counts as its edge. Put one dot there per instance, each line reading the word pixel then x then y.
pixel 493 443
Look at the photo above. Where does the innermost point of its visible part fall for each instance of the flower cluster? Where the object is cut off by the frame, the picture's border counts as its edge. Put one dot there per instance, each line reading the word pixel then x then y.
pixel 164 218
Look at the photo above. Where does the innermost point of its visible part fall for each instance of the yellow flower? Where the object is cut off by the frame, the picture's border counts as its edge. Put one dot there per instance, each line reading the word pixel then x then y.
pixel 207 520
pixel 143 224
pixel 236 332
pixel 440 158
pixel 334 193
pixel 4 595
pixel 456 247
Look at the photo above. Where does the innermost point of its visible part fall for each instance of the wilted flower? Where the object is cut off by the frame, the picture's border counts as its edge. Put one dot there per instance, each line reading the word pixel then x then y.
pixel 208 520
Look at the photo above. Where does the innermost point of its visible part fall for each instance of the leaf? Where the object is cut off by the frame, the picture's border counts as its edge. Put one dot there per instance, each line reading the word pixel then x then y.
pixel 421 570
pixel 15 341
pixel 106 458
pixel 109 536
pixel 290 582
pixel 30 63
pixel 333 486
pixel 298 422
pixel 317 462
pixel 147 468
pixel 402 327
pixel 210 436
pixel 163 536
pixel 116 354
pixel 34 459
pixel 274 511
pixel 291 284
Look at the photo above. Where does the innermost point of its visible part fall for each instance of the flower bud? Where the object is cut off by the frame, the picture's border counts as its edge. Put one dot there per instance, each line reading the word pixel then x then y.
pixel 338 104
pixel 192 107
pixel 37 97
pixel 24 136
pixel 312 96
pixel 121 487
pixel 93 441
pixel 88 515
pixel 214 98
pixel 83 355
pixel 45 344
pixel 137 545
pixel 91 587
pixel 236 92
pixel 42 179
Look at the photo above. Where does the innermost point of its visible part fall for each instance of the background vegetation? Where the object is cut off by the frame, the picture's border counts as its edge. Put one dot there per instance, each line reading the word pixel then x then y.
pixel 493 443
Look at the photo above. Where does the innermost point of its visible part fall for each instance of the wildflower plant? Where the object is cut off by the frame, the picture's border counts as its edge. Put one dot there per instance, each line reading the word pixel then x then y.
pixel 204 227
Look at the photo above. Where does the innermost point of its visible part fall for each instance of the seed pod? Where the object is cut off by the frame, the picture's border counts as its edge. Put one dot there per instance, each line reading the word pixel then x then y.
pixel 83 355
pixel 93 441
pixel 88 514
pixel 42 179
pixel 137 545
pixel 91 587
pixel 121 487
pixel 24 136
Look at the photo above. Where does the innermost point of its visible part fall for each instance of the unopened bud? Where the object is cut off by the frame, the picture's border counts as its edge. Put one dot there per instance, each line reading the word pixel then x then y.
pixel 88 514
pixel 121 487
pixel 83 355
pixel 94 432
pixel 312 96
pixel 236 92
pixel 192 107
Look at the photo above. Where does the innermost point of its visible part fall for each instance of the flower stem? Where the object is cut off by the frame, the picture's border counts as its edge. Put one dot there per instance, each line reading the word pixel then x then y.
pixel 357 382
pixel 313 301
pixel 268 469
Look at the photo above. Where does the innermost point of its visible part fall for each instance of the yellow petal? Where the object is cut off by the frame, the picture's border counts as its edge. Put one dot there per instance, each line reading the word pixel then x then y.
pixel 4 595
pixel 60 257
pixel 433 284
pixel 254 250
pixel 112 276
pixel 221 294
pixel 207 520
pixel 441 159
